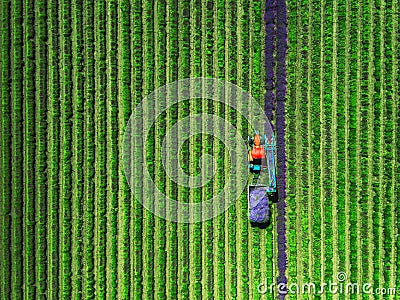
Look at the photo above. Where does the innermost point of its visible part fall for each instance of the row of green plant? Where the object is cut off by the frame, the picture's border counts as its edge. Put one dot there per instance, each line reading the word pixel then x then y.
pixel 78 99
pixel 89 279
pixel 17 183
pixel 66 151
pixel 161 60
pixel 137 209
pixel 292 76
pixel 28 131
pixel 125 198
pixel 5 142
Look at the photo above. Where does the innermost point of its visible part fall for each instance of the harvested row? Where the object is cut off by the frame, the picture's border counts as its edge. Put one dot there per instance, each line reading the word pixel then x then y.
pixel 269 63
pixel 281 51
pixel 258 73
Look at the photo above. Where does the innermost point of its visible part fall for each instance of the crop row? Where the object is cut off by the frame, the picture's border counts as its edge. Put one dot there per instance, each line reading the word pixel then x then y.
pixel 124 103
pixel 77 151
pixel 172 69
pixel 5 142
pixel 339 158
pixel 17 148
pixel 89 152
pixel 351 144
pixel 137 209
pixel 220 259
pixel 29 153
pixel 395 137
pixel 42 150
pixel 148 223
pixel 53 206
pixel 160 224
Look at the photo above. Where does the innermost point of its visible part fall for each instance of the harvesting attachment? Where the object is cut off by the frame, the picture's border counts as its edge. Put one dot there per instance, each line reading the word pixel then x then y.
pixel 262 189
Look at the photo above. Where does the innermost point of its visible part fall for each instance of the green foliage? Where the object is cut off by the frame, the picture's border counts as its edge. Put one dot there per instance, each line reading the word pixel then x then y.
pixel 77 151
pixel 291 147
pixel 5 148
pixel 89 153
pixel 362 109
pixel 29 132
pixel 73 71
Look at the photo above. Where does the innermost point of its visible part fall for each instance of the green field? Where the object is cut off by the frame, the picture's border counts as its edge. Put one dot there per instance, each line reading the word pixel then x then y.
pixel 66 205
pixel 343 142
pixel 72 72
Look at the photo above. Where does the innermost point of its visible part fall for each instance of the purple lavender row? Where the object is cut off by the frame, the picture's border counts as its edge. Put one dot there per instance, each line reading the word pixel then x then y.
pixel 282 45
pixel 270 32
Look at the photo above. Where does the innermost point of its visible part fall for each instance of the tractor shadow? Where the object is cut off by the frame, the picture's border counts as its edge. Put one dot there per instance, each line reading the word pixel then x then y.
pixel 273 197
pixel 261 225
